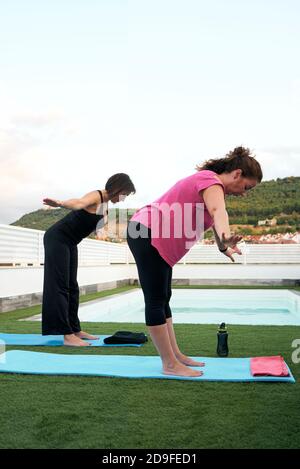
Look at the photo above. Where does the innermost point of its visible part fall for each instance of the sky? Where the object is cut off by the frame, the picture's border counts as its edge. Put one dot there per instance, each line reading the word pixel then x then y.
pixel 89 88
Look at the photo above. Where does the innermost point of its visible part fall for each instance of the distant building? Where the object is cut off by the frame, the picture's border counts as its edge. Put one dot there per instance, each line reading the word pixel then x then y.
pixel 267 222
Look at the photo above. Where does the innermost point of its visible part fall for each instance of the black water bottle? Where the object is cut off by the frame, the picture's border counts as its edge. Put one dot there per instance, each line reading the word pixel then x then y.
pixel 222 347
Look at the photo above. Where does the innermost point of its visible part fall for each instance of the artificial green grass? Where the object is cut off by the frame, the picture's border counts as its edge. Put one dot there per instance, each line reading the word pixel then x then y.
pixel 92 412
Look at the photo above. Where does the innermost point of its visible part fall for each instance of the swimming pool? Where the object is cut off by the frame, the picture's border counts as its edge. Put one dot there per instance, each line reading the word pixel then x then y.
pixel 207 306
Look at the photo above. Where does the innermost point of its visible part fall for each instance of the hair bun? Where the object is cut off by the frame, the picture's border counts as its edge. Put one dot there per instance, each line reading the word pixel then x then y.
pixel 241 152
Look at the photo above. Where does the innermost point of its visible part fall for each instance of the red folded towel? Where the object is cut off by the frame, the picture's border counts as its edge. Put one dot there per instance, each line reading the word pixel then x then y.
pixel 268 366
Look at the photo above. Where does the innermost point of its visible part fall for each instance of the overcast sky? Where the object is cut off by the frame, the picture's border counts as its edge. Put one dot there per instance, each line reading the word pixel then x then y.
pixel 151 88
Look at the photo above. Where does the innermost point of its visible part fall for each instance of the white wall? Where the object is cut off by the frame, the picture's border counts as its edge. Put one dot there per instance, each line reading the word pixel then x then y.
pixel 25 280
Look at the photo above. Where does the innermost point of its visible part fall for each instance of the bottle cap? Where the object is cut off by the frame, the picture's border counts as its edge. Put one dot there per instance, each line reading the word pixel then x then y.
pixel 222 327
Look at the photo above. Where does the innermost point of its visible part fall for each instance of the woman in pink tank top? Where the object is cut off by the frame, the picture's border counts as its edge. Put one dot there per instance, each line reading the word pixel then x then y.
pixel 162 232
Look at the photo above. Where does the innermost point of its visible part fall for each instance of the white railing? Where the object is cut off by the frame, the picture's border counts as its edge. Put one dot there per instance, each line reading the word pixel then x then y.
pixel 252 254
pixel 23 247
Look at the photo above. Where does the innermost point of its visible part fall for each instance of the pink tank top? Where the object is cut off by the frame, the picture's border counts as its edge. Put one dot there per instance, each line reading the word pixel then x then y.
pixel 179 217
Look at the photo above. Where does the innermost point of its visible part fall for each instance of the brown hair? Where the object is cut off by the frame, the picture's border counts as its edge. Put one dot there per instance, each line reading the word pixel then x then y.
pixel 239 158
pixel 119 183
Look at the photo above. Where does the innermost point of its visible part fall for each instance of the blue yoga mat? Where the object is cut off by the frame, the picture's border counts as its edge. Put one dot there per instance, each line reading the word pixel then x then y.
pixel 56 340
pixel 125 366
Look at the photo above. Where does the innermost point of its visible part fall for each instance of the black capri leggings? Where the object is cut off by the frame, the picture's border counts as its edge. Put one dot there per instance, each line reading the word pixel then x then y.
pixel 154 273
pixel 61 290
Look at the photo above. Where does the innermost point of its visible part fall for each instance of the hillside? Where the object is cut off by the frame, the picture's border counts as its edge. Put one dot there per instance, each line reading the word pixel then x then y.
pixel 278 198
pixel 43 218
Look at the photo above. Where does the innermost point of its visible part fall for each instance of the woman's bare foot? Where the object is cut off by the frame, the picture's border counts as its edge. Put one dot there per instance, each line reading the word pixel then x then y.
pixel 178 369
pixel 73 341
pixel 188 361
pixel 85 335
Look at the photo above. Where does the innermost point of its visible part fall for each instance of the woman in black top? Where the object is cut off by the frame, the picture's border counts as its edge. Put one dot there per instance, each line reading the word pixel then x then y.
pixel 61 291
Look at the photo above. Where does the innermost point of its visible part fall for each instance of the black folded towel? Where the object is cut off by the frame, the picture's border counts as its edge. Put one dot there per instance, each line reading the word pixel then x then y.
pixel 126 337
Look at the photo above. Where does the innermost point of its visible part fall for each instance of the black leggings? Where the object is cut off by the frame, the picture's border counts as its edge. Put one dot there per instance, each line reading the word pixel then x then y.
pixel 61 290
pixel 154 273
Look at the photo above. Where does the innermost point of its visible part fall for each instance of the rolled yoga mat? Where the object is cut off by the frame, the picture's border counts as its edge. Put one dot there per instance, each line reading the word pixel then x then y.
pixel 53 340
pixel 126 366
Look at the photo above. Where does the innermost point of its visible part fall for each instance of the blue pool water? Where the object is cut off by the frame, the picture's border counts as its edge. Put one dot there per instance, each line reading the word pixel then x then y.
pixel 197 306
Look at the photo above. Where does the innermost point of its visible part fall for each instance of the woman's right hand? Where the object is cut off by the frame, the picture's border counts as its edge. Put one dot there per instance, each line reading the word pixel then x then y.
pixel 52 202
pixel 230 251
